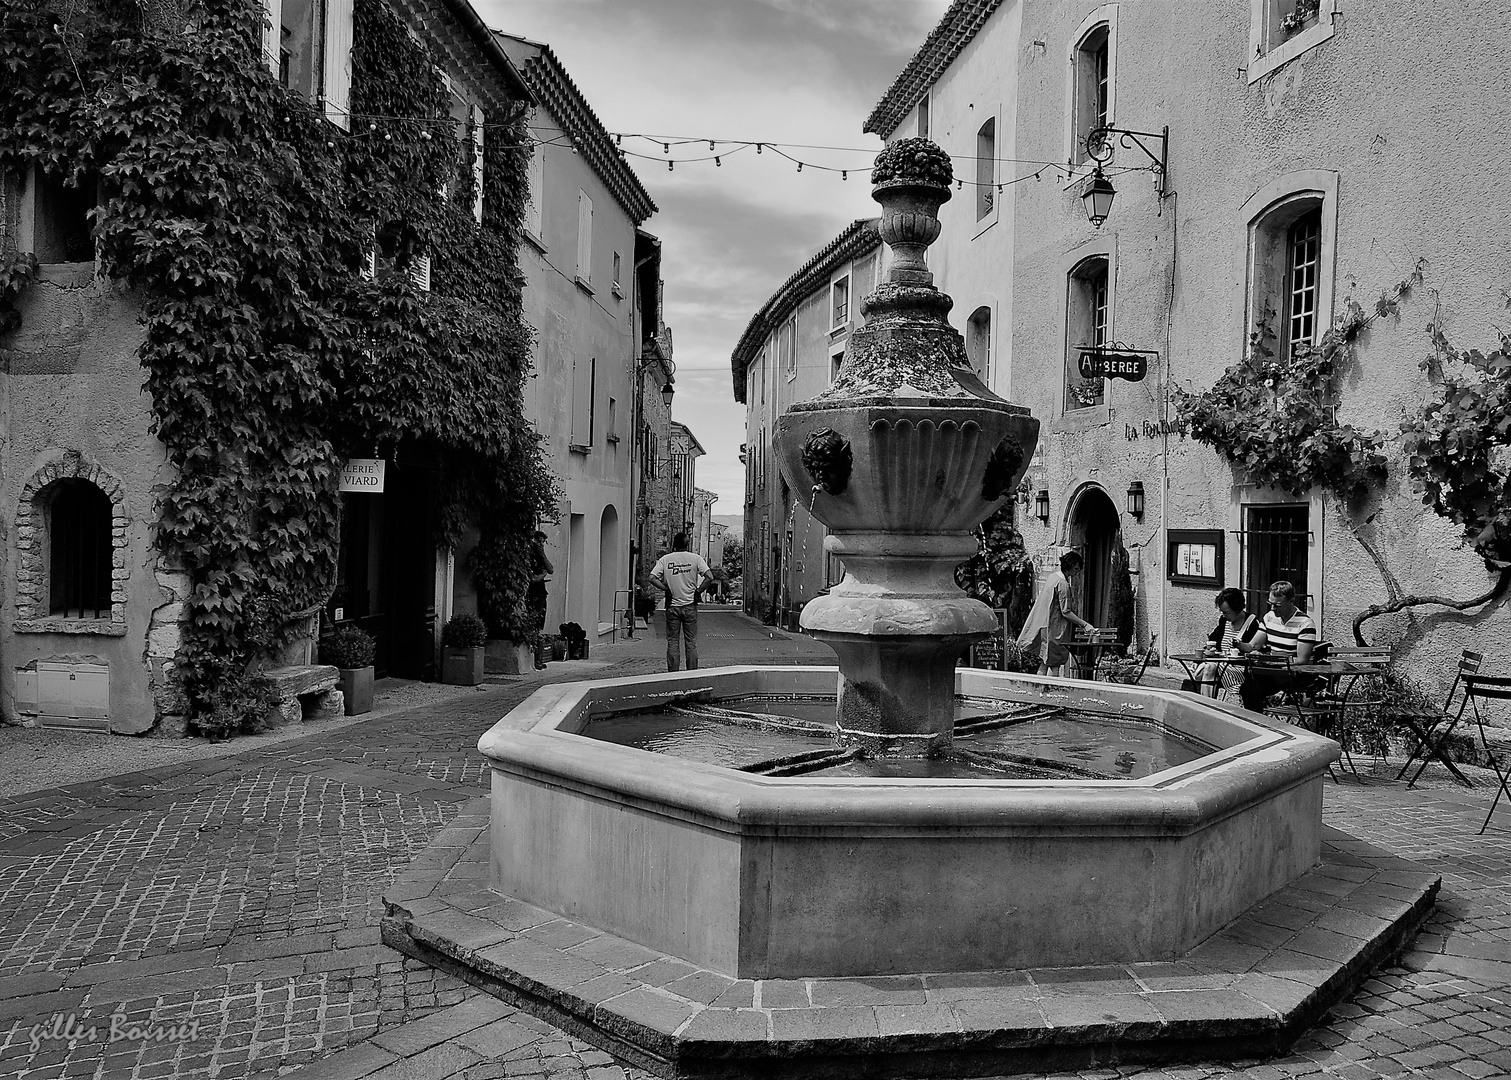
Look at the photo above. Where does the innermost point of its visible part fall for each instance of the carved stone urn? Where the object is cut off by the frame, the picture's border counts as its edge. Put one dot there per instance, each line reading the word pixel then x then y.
pixel 904 455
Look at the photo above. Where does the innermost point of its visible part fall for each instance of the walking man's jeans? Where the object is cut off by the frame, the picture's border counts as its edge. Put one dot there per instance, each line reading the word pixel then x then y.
pixel 682 621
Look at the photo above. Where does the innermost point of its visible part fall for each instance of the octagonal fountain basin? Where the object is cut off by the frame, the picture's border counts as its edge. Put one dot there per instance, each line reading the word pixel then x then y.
pixel 826 874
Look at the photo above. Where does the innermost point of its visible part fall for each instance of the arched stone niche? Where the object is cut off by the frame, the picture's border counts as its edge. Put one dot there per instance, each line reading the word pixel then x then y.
pixel 32 608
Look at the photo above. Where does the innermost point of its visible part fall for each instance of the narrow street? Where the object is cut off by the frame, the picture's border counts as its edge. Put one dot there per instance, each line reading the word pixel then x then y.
pixel 240 895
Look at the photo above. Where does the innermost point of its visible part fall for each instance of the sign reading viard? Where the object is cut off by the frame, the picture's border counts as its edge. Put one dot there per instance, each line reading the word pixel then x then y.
pixel 363 474
pixel 1130 364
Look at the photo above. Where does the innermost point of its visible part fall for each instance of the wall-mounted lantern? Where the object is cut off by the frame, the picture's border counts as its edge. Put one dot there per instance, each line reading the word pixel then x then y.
pixel 1098 193
pixel 1041 505
pixel 1136 499
pixel 666 393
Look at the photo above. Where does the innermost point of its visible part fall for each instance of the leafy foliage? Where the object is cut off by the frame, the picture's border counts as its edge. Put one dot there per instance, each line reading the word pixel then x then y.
pixel 348 646
pixel 1458 443
pixel 244 222
pixel 913 159
pixel 16 271
pixel 1275 417
pixel 464 632
pixel 1000 574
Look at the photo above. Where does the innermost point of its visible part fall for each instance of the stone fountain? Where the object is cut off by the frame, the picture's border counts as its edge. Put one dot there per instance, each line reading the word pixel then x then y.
pixel 727 919
pixel 906 453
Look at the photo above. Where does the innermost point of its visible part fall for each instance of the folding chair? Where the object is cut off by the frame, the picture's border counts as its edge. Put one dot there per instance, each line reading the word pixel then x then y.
pixel 1089 646
pixel 1430 729
pixel 1489 688
pixel 1129 670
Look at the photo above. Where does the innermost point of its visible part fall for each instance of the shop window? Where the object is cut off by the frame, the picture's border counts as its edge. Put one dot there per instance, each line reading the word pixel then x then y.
pixel 1281 30
pixel 986 168
pixel 1290 269
pixel 978 342
pixel 1088 319
pixel 78 551
pixel 54 220
pixel 1092 73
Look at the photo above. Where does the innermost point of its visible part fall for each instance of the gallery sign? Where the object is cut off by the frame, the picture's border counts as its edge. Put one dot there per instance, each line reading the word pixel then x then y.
pixel 1129 364
pixel 363 474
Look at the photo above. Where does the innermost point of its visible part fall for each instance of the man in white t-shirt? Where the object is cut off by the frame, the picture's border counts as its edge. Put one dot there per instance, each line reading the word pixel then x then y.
pixel 680 574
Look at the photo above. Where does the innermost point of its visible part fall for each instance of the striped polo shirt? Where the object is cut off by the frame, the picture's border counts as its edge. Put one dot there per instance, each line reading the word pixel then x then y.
pixel 1285 633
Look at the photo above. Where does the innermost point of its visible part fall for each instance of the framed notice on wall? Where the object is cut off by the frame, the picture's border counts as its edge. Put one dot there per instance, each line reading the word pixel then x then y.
pixel 1194 557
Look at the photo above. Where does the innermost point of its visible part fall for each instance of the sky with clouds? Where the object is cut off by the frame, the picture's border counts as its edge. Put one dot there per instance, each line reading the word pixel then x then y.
pixel 785 71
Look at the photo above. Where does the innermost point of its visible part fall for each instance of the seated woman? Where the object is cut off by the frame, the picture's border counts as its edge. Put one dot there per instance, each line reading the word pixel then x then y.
pixel 1237 631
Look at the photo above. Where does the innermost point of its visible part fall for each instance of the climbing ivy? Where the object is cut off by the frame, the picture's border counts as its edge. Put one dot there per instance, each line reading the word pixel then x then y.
pixel 244 221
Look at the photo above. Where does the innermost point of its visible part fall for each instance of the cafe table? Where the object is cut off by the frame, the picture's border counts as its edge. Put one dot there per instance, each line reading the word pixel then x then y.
pixel 1192 662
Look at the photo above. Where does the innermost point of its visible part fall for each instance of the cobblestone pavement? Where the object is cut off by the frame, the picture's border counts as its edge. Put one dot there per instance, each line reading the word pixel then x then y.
pixel 218 918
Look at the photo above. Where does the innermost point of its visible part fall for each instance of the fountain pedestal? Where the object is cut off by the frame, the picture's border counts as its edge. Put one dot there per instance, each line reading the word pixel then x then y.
pixel 905 455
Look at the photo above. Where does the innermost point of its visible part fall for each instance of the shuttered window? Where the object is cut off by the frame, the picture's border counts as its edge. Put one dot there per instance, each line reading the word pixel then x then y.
pixel 338 62
pixel 584 238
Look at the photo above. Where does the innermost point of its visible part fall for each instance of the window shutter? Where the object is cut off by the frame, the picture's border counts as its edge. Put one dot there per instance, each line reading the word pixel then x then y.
pixel 272 34
pixel 584 237
pixel 419 272
pixel 338 62
pixel 582 402
pixel 477 163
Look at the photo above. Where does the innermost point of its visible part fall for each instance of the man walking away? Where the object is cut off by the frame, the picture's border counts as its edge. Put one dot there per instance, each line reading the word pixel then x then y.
pixel 680 574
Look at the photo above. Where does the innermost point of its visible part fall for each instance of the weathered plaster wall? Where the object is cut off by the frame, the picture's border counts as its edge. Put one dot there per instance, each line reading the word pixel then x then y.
pixel 75 406
pixel 973 258
pixel 1388 105
pixel 575 324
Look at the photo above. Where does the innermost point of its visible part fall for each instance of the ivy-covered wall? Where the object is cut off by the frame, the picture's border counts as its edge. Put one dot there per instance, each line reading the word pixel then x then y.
pixel 239 223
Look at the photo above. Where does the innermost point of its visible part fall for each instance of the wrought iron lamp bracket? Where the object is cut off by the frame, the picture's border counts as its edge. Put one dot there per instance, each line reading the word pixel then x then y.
pixel 1099 147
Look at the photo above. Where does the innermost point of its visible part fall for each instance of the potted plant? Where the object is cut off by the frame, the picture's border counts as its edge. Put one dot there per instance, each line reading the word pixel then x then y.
pixel 463 642
pixel 350 650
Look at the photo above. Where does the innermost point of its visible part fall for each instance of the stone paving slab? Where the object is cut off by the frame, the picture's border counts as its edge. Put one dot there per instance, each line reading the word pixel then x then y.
pixel 261 847
pixel 1251 989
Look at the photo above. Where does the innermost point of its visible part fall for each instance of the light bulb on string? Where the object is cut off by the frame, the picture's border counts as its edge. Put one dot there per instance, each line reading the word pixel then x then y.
pixel 669 165
pixel 758 148
pixel 666 148
pixel 799 166
pixel 710 144
pixel 844 174
pixel 719 162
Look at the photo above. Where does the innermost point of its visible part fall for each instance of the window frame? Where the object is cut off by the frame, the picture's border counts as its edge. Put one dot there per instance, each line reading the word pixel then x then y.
pixel 1103 18
pixel 584 272
pixel 840 320
pixel 1077 282
pixel 986 171
pixel 922 117
pixel 787 348
pixel 981 365
pixel 1270 211
pixel 1266 55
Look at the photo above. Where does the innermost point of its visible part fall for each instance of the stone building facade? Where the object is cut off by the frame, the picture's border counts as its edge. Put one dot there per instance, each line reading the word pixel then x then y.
pixel 791 351
pixel 1311 157
pixel 90 611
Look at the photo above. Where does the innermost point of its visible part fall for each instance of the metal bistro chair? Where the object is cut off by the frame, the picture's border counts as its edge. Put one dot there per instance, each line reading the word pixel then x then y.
pixel 1128 669
pixel 1479 688
pixel 1088 647
pixel 1360 692
pixel 1431 728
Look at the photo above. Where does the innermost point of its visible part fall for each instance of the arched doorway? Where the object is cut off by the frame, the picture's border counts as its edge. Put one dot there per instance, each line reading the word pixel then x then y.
pixel 608 564
pixel 1094 529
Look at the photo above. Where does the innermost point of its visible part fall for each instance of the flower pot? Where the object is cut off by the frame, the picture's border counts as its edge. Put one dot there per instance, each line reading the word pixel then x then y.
pixel 507 657
pixel 357 688
pixel 462 666
pixel 909 219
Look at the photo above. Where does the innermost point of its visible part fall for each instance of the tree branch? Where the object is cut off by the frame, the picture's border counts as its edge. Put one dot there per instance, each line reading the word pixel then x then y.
pixel 1404 602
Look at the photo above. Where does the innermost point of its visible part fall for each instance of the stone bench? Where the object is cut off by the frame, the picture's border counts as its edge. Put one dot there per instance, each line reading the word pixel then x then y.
pixel 294 686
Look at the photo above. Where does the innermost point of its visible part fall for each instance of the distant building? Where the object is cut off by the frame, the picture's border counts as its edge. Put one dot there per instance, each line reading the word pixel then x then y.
pixel 583 297
pixel 791 351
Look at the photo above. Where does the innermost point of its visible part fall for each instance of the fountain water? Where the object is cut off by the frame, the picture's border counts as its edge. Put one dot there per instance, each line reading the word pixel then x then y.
pixel 702 920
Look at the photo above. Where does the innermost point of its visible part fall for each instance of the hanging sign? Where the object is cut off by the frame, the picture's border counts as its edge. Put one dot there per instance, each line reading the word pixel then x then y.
pixel 363 474
pixel 1121 364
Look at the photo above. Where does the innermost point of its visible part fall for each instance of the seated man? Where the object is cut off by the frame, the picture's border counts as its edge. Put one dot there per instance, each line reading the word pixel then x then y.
pixel 1288 631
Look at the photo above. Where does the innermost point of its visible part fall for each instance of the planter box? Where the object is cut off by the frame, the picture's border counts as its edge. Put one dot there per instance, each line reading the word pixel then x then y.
pixel 357 687
pixel 462 667
pixel 508 657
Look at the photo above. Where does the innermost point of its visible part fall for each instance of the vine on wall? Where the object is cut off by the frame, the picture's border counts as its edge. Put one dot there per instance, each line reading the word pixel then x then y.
pixel 243 221
pixel 1275 418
